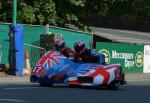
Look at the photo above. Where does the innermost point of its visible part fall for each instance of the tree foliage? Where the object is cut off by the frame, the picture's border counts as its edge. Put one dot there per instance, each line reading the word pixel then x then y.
pixel 63 12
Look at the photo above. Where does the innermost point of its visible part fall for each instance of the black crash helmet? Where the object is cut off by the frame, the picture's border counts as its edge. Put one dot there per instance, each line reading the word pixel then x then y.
pixel 79 45
pixel 59 44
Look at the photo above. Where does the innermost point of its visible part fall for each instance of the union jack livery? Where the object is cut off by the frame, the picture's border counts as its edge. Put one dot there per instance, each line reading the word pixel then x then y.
pixel 54 67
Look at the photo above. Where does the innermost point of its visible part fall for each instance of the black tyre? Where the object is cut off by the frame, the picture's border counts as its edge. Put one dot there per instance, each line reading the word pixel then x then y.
pixel 46 84
pixel 74 86
pixel 114 85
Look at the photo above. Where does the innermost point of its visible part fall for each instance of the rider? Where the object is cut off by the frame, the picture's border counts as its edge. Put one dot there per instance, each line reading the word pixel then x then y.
pixel 60 45
pixel 87 55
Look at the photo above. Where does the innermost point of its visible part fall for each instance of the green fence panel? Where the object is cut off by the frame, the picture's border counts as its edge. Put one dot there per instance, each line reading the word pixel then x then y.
pixel 4 52
pixel 32 34
pixel 130 56
pixel 71 36
pixel 4 30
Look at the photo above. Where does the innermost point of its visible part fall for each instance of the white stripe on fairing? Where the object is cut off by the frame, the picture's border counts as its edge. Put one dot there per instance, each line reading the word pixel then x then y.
pixel 86 84
pixel 91 71
pixel 82 75
pixel 112 65
pixel 87 74
pixel 112 74
pixel 72 78
pixel 98 79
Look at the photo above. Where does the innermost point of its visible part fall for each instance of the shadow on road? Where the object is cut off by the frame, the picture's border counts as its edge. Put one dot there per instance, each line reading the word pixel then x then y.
pixel 127 87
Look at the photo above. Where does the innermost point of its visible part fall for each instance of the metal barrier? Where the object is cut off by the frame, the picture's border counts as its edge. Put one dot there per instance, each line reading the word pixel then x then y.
pixel 0 53
pixel 34 53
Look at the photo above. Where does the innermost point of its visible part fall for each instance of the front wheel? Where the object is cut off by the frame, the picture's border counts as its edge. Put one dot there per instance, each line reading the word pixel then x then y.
pixel 44 82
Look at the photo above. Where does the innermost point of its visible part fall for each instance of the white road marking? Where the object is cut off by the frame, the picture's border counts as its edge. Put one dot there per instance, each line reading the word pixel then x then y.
pixel 8 94
pixel 13 100
pixel 17 88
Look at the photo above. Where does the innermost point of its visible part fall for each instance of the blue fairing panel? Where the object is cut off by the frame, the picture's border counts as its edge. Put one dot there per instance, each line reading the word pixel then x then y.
pixel 54 67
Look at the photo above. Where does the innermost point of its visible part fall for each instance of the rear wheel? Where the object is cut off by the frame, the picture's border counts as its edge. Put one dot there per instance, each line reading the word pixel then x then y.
pixel 46 84
pixel 74 86
pixel 114 85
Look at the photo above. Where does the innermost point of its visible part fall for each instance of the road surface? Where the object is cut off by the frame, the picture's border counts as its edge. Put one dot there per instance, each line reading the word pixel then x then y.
pixel 123 35
pixel 24 92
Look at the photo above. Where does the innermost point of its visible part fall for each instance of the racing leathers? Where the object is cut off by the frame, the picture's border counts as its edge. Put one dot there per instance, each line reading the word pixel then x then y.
pixel 68 52
pixel 88 55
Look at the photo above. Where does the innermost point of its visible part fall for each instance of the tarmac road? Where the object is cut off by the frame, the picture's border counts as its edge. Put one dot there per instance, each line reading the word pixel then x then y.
pixel 24 92
pixel 124 35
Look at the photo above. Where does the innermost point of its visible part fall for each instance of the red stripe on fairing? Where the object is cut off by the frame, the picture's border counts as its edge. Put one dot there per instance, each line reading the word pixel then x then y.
pixel 49 62
pixel 106 76
pixel 44 59
pixel 35 69
pixel 59 55
pixel 41 71
pixel 110 67
pixel 52 58
pixel 101 70
pixel 41 61
pixel 73 82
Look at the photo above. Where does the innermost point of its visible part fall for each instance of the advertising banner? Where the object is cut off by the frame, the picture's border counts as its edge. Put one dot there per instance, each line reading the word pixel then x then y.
pixel 146 58
pixel 130 56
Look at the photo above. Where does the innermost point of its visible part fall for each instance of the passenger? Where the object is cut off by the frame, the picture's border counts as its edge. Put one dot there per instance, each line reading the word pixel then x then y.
pixel 60 45
pixel 87 55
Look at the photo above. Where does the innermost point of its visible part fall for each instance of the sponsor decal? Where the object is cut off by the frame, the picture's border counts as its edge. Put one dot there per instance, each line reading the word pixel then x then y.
pixel 67 70
pixel 139 59
pixel 115 54
pixel 107 55
pixel 129 59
